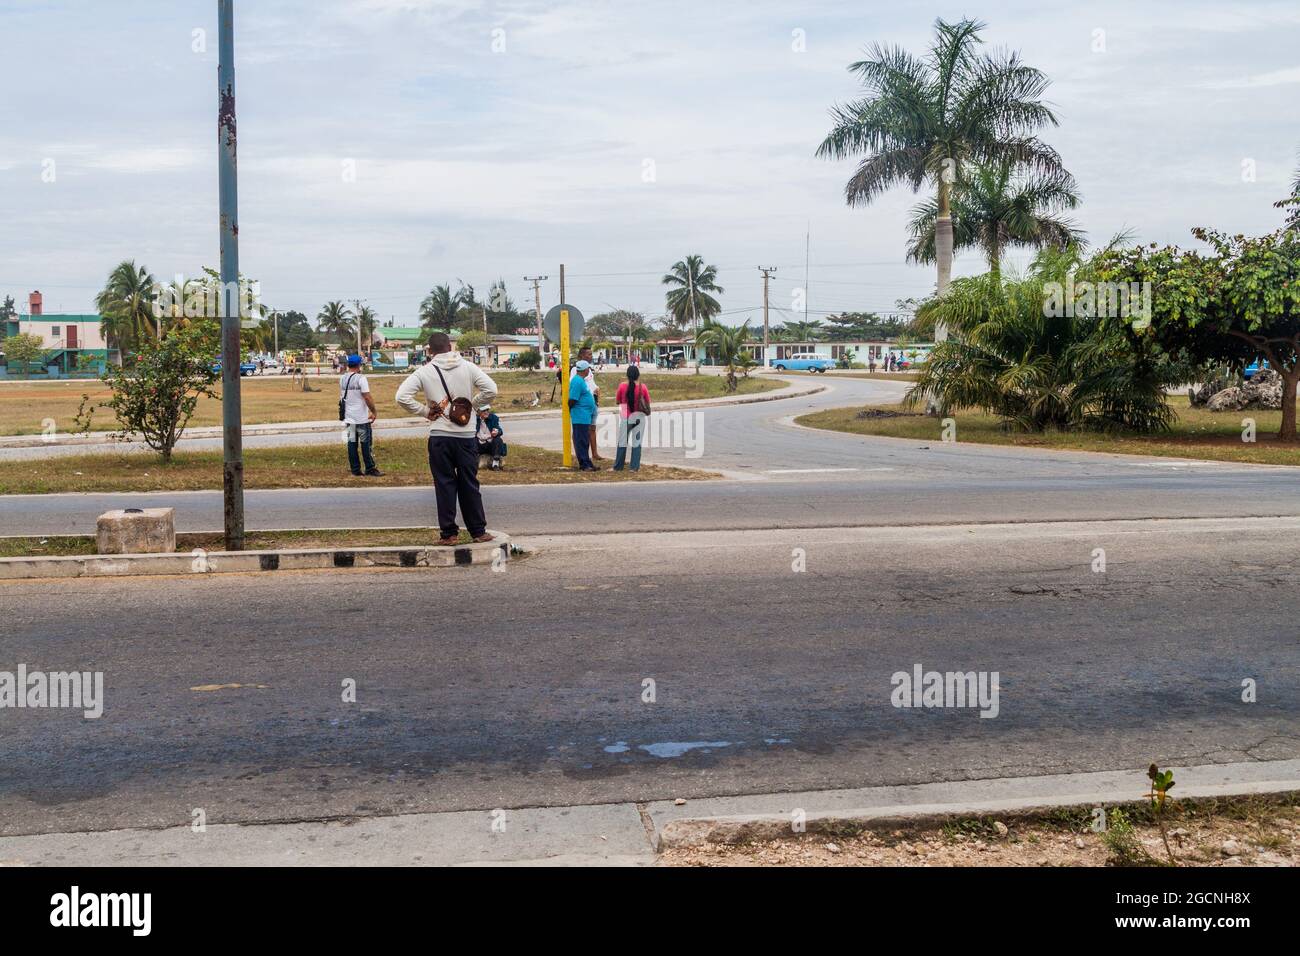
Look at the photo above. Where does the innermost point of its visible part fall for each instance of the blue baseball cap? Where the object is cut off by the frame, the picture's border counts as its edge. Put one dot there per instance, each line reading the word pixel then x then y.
pixel 354 360
pixel 582 365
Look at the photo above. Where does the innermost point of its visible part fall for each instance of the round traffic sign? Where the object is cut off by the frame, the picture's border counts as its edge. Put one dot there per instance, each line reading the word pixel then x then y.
pixel 551 324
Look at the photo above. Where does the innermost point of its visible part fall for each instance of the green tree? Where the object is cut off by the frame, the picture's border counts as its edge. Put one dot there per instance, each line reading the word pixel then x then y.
pixel 336 319
pixel 801 331
pixel 296 332
pixel 23 349
pixel 529 359
pixel 126 306
pixel 922 120
pixel 1230 307
pixel 367 319
pixel 993 209
pixel 473 339
pixel 155 396
pixel 439 308
pixel 688 299
pixel 7 315
pixel 1042 368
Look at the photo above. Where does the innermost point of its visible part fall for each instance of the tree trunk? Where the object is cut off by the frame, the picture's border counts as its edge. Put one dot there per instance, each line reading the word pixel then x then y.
pixel 943 251
pixel 1289 379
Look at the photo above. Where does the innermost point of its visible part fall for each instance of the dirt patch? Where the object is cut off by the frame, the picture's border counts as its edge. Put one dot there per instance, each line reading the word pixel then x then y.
pixel 875 413
pixel 1239 832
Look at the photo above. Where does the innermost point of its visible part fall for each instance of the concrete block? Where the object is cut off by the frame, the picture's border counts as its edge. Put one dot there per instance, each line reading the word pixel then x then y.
pixel 136 531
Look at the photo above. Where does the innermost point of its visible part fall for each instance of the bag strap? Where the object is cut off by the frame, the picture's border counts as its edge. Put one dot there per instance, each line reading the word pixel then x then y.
pixel 445 389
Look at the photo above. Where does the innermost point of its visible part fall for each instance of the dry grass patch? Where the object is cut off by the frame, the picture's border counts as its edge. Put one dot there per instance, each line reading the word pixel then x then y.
pixel 404 462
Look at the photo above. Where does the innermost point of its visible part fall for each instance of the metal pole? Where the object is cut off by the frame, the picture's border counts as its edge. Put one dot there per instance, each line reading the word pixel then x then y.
pixel 232 470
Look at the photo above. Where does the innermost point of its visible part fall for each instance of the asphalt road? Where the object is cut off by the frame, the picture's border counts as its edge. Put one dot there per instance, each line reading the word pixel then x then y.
pixel 526 688
pixel 780 476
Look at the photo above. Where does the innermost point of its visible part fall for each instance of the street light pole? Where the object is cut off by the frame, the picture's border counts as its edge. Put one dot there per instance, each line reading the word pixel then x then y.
pixel 232 466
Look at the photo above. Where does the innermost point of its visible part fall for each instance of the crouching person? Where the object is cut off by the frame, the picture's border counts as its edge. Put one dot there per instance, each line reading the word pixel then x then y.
pixel 490 443
pixel 443 391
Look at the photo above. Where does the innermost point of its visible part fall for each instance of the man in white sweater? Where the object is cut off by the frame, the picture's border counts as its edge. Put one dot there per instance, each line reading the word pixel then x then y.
pixel 453 449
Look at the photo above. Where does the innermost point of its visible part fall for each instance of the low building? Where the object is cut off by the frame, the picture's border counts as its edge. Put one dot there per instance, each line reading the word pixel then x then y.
pixel 74 342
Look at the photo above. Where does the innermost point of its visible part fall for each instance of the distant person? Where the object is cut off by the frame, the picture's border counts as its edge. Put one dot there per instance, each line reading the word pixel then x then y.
pixel 582 414
pixel 448 386
pixel 584 355
pixel 490 442
pixel 633 400
pixel 358 415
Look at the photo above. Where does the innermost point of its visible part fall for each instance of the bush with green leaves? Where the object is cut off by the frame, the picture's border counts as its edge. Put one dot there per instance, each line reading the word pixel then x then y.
pixel 1010 355
pixel 21 350
pixel 1122 842
pixel 528 358
pixel 155 396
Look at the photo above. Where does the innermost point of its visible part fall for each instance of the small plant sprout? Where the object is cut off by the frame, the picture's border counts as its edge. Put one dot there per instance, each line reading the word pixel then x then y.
pixel 1162 781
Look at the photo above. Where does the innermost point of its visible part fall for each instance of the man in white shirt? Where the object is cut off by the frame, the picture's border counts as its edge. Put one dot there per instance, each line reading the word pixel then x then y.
pixel 358 416
pixel 453 449
pixel 584 355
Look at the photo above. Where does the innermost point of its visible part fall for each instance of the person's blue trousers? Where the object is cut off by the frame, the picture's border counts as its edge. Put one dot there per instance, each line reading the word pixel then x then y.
pixel 582 445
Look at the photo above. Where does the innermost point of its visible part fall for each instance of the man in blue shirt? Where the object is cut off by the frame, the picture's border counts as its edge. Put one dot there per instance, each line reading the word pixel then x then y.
pixel 582 414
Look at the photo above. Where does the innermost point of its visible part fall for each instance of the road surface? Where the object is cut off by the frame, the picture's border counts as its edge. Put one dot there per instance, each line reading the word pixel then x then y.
pixel 528 688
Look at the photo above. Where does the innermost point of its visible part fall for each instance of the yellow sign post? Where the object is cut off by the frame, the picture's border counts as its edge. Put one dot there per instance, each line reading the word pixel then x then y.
pixel 566 440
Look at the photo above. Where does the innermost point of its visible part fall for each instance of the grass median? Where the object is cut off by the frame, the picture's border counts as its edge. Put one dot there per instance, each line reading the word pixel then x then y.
pixel 404 462
pixel 1213 436
pixel 270 399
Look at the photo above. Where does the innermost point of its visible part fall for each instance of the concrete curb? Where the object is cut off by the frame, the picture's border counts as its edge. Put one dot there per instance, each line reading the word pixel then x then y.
pixel 283 559
pixel 770 816
pixel 310 428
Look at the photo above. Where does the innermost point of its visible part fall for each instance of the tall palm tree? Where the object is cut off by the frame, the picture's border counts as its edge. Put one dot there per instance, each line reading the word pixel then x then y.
pixel 993 209
pixel 439 308
pixel 921 120
pixel 335 319
pixel 688 300
pixel 366 322
pixel 126 306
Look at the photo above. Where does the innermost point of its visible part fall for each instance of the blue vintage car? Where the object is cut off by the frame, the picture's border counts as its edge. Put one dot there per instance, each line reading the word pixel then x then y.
pixel 803 362
pixel 1254 367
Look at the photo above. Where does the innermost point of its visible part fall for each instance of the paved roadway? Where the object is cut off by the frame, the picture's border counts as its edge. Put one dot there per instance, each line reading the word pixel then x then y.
pixel 525 688
pixel 779 476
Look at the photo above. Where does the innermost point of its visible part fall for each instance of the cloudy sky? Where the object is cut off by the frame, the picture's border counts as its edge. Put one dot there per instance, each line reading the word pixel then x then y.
pixel 389 145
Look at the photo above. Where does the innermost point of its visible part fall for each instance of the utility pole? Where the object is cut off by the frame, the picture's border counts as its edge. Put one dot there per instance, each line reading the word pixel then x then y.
pixel 275 331
pixel 232 440
pixel 767 334
pixel 357 306
pixel 537 301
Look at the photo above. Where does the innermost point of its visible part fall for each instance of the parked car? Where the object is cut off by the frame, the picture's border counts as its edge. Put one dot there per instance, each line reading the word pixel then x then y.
pixel 245 368
pixel 1254 367
pixel 804 362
